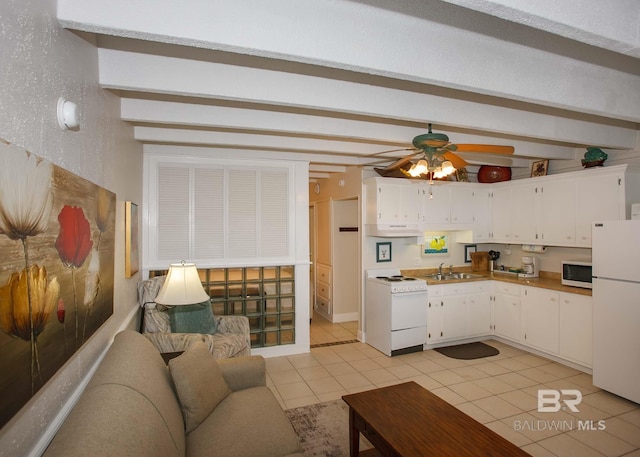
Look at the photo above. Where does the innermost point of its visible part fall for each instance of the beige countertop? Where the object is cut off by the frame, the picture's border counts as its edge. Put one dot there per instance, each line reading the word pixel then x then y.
pixel 547 280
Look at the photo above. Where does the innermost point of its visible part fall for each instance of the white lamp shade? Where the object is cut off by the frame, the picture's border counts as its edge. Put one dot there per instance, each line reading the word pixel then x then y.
pixel 182 286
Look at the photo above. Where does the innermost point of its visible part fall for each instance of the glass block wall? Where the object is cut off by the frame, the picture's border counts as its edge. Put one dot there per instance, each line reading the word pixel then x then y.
pixel 266 295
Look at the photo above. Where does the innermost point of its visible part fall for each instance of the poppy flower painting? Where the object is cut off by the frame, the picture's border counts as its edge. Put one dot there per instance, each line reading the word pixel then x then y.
pixel 57 238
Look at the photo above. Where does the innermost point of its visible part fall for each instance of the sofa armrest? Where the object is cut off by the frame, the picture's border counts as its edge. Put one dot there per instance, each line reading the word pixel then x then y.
pixel 244 372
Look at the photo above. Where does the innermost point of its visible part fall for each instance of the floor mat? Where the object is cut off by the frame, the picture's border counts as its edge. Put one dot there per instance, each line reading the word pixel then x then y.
pixel 468 351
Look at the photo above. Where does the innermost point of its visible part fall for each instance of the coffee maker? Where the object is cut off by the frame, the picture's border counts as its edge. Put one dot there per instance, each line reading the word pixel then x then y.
pixel 529 267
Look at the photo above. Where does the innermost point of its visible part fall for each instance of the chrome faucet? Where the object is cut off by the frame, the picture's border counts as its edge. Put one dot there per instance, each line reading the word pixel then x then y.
pixel 440 269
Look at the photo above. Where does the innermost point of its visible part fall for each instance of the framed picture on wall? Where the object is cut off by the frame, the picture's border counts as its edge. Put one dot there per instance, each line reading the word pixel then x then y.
pixel 131 247
pixel 383 251
pixel 539 168
pixel 468 250
pixel 435 245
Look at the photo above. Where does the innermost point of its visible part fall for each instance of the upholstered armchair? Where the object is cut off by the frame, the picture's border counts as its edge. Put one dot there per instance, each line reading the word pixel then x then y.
pixel 230 339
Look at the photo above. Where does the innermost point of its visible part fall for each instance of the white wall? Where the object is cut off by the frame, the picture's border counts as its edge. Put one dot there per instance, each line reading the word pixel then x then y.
pixel 41 62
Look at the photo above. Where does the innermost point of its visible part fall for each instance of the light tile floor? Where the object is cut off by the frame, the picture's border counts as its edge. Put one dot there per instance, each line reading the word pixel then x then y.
pixel 499 391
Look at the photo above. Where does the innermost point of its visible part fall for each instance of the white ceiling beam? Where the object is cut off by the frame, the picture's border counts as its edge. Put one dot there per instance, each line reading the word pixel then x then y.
pixel 327 168
pixel 142 72
pixel 250 154
pixel 250 140
pixel 163 112
pixel 431 42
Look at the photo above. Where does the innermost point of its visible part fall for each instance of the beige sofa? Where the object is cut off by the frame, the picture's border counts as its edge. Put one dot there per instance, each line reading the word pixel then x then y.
pixel 231 339
pixel 137 406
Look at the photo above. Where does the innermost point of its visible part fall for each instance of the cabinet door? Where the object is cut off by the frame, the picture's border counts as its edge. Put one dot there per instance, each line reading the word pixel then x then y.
pixel 506 316
pixel 437 205
pixel 479 314
pixel 576 328
pixel 462 204
pixel 434 320
pixel 501 214
pixel 481 226
pixel 597 198
pixel 454 317
pixel 389 208
pixel 396 203
pixel 524 200
pixel 540 318
pixel 557 212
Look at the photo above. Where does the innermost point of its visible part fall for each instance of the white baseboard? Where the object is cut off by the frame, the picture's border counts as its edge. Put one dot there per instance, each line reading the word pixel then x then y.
pixel 344 317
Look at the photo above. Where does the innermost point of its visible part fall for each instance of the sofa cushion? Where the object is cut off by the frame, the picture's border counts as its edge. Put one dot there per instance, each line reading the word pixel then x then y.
pixel 199 384
pixel 128 408
pixel 250 423
pixel 196 318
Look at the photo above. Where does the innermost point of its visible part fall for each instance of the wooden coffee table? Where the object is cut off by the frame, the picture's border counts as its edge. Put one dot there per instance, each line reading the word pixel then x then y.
pixel 408 420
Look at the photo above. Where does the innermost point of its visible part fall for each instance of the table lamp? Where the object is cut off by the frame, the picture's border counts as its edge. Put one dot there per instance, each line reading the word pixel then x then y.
pixel 182 286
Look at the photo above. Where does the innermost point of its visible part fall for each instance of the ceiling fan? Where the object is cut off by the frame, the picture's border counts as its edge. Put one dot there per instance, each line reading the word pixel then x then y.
pixel 433 157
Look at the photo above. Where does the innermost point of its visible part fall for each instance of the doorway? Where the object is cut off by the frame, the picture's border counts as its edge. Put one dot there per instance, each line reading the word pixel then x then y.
pixel 334 225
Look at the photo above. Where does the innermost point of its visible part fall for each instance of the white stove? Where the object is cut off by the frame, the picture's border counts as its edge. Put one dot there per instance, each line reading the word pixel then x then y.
pixel 396 282
pixel 395 312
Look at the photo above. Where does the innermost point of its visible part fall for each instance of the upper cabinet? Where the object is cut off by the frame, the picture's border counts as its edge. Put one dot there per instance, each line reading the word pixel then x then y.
pixel 219 212
pixel 558 210
pixel 392 207
pixel 554 210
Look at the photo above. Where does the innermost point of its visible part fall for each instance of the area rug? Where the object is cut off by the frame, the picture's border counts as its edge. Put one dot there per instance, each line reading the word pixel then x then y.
pixel 468 351
pixel 323 429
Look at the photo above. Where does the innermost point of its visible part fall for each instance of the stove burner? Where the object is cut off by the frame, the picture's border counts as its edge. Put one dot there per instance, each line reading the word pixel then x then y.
pixel 395 278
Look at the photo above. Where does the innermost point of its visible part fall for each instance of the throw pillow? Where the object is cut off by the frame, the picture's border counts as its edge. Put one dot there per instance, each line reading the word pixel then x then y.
pixel 197 318
pixel 199 384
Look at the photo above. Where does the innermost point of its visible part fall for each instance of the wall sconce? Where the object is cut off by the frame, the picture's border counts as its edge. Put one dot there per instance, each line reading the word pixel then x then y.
pixel 68 115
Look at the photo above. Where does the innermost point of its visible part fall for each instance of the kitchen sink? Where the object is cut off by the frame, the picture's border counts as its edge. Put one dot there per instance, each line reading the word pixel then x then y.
pixel 450 276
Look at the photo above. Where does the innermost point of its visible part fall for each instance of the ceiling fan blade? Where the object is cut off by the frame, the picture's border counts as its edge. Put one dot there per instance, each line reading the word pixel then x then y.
pixel 457 161
pixel 401 162
pixel 486 148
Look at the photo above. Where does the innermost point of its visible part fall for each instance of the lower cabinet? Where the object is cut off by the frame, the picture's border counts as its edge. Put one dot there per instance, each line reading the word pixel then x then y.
pixel 506 310
pixel 540 318
pixel 557 323
pixel 576 325
pixel 458 311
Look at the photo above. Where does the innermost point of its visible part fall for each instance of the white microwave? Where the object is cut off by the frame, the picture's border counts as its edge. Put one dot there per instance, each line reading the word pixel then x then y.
pixel 577 273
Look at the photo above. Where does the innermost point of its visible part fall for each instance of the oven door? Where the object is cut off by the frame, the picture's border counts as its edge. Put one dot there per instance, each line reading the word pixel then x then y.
pixel 408 309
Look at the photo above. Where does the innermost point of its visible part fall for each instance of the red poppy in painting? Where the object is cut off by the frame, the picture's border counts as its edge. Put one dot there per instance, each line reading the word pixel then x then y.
pixel 74 240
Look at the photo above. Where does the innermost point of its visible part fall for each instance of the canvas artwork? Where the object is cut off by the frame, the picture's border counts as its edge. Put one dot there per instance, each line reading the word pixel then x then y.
pixel 57 235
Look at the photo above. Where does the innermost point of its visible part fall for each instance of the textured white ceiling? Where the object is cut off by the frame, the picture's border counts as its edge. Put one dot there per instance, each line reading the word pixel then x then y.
pixel 336 81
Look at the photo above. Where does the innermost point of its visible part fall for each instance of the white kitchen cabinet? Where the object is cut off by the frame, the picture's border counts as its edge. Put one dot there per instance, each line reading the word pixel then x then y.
pixel 540 318
pixel 454 317
pixel 501 213
pixel 557 212
pixel 462 203
pixel 507 310
pixel 436 206
pixel 392 207
pixel 576 326
pixel 524 208
pixel 434 314
pixel 479 311
pixel 458 311
pixel 603 195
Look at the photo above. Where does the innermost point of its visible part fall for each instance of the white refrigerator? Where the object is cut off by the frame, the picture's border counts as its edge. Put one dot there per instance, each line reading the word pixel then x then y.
pixel 616 307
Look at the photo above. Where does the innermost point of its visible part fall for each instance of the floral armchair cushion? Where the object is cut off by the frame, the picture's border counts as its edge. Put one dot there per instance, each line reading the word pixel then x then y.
pixel 231 339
